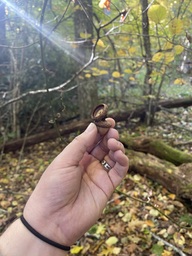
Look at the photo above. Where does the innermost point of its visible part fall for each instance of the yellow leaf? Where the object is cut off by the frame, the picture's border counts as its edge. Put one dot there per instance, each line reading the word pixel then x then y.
pixel 123 38
pixel 95 69
pixel 121 53
pixel 132 50
pixel 116 74
pixel 179 81
pixel 169 57
pixel 178 49
pixel 168 46
pixel 116 250
pixel 136 177
pixel 127 217
pixel 76 249
pixel 103 72
pixel 176 26
pixel 153 212
pixel 106 252
pixel 100 43
pixel 100 229
pixel 179 239
pixel 172 196
pixel 95 74
pixel 169 170
pixel 9 209
pixel 85 35
pixel 111 240
pixel 128 71
pixel 133 238
pixel 14 203
pixel 4 181
pixel 4 204
pixel 103 63
pixel 157 13
pixel 87 75
pixel 166 253
pixel 132 78
pixel 133 224
pixel 29 170
pixel 157 56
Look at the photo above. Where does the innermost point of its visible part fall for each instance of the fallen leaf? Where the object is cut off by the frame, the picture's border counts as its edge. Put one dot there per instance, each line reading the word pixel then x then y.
pixel 179 239
pixel 111 240
pixel 76 249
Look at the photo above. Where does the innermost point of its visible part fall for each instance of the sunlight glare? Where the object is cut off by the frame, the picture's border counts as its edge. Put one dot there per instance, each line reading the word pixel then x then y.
pixel 52 36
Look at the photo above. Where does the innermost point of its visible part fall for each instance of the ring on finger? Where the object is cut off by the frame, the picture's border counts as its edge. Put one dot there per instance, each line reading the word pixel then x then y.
pixel 106 166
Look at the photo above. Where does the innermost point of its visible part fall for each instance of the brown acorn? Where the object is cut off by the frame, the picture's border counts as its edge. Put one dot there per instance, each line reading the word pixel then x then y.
pixel 99 116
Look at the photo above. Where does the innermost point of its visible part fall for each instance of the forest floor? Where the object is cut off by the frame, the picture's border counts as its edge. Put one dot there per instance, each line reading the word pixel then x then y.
pixel 142 218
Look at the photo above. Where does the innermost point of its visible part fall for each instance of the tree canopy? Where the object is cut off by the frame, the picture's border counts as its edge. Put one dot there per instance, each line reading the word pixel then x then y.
pixel 69 55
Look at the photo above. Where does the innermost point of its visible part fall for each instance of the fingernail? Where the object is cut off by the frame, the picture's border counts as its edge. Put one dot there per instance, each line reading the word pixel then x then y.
pixel 90 127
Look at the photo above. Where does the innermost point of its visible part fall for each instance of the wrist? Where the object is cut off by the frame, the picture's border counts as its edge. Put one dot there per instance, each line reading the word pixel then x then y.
pixel 19 241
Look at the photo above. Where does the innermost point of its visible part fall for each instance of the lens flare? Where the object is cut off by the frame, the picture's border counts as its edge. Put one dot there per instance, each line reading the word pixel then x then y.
pixel 52 36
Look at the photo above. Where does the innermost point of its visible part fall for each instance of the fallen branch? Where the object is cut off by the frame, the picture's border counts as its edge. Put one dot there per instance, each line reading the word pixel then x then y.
pixel 168 244
pixel 176 179
pixel 157 148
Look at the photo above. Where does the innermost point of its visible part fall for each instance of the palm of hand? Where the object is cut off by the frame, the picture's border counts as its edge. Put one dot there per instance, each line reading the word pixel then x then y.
pixel 74 189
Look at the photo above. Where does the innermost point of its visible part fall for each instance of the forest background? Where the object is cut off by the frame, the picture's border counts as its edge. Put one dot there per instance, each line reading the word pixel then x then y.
pixel 59 59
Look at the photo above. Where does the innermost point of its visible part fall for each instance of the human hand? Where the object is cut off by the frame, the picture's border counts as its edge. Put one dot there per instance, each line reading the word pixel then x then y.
pixel 75 187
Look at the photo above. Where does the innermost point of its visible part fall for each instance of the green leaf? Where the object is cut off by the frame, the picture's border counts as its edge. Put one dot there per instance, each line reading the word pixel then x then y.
pixel 187 218
pixel 157 249
pixel 157 13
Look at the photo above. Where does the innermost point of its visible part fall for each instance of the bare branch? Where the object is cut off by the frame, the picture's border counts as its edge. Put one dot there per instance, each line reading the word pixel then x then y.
pixel 57 88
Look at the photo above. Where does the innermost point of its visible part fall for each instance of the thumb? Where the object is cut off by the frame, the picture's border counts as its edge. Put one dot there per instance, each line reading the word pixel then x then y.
pixel 73 153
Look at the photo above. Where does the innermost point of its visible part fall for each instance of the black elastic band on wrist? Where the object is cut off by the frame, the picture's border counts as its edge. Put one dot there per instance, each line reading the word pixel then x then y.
pixel 43 238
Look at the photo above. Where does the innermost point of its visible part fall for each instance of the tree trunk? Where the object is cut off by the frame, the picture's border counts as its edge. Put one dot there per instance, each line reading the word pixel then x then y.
pixel 157 148
pixel 4 64
pixel 147 91
pixel 177 180
pixel 87 89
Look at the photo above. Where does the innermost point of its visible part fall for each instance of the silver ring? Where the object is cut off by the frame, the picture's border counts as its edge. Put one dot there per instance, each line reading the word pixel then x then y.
pixel 106 165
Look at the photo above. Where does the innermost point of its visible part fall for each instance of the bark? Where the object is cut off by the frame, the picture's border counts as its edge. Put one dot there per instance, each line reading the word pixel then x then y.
pixel 175 179
pixel 157 148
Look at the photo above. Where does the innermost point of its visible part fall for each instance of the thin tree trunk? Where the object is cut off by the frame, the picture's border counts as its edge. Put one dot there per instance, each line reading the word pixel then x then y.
pixel 87 89
pixel 147 46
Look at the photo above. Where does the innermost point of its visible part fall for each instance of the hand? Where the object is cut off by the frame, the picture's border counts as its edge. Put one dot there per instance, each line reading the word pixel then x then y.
pixel 75 188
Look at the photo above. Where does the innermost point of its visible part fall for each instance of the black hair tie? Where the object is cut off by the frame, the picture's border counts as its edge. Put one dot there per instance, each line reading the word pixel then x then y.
pixel 43 238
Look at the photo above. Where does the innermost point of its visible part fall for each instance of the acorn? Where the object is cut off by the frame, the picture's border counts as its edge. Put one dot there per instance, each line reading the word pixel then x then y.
pixel 99 116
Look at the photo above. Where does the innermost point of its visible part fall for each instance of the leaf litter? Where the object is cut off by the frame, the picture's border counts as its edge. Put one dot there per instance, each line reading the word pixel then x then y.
pixel 141 218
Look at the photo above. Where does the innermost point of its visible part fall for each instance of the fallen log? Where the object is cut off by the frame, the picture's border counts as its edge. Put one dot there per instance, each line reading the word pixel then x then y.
pixel 157 148
pixel 44 136
pixel 176 179
pixel 81 125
